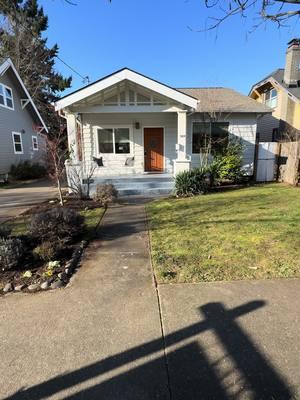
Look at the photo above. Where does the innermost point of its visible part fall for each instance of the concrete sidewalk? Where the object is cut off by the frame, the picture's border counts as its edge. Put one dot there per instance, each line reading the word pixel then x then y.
pixel 233 340
pixel 98 339
pixel 16 200
pixel 105 336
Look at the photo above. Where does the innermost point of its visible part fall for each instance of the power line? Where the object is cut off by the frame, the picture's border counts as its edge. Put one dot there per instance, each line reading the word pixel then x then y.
pixel 84 78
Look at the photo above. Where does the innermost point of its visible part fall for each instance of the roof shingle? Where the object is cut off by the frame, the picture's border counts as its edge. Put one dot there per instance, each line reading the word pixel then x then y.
pixel 224 100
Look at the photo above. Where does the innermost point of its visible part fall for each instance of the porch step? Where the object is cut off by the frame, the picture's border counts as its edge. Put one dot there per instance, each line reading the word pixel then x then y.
pixel 147 185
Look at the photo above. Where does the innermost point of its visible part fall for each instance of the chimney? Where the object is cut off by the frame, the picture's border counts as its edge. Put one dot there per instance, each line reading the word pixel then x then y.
pixel 292 63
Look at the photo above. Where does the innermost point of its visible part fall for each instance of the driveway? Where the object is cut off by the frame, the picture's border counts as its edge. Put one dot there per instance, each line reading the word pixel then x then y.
pixel 113 335
pixel 16 200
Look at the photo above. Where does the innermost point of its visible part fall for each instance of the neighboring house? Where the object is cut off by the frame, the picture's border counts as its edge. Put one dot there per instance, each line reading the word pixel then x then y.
pixel 21 125
pixel 281 91
pixel 129 124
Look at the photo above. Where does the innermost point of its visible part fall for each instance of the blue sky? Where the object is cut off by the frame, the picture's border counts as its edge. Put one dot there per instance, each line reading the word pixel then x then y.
pixel 161 39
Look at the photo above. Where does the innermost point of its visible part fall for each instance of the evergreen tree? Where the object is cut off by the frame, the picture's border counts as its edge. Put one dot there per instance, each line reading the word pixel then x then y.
pixel 23 23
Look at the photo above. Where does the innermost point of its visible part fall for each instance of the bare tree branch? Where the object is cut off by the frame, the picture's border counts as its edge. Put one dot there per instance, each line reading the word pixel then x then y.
pixel 267 10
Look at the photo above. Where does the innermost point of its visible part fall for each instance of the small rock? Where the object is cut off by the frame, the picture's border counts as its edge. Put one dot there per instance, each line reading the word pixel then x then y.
pixel 8 288
pixel 45 285
pixel 57 284
pixel 69 264
pixel 19 288
pixel 52 201
pixel 62 276
pixel 33 286
pixel 68 271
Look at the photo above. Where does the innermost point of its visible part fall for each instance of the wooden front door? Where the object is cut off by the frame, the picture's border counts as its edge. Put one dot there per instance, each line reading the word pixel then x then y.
pixel 154 149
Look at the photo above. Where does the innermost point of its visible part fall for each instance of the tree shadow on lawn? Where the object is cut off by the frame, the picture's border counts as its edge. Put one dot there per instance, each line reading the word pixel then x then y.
pixel 185 372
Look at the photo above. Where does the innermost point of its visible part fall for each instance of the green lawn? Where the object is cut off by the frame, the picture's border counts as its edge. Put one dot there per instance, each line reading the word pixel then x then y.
pixel 241 234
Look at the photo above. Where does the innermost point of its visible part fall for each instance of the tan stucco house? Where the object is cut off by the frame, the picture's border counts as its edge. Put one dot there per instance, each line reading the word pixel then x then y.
pixel 280 90
pixel 136 129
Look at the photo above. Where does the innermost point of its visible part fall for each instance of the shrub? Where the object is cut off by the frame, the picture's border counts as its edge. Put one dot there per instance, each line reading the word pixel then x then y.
pixel 56 224
pixel 11 251
pixel 48 250
pixel 213 173
pixel 191 183
pixel 105 194
pixel 229 164
pixel 27 170
pixel 5 231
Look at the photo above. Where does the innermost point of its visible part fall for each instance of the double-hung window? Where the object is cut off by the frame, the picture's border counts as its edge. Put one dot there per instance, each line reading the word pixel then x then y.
pixel 113 140
pixel 271 98
pixel 6 97
pixel 35 143
pixel 17 142
pixel 210 136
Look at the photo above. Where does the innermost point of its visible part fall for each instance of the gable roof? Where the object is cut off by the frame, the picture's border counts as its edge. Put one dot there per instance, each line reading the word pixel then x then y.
pixel 4 67
pixel 276 77
pixel 130 75
pixel 221 99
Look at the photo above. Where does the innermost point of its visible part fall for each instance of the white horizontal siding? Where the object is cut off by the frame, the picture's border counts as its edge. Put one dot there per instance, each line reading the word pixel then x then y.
pixel 241 126
pixel 265 126
pixel 114 164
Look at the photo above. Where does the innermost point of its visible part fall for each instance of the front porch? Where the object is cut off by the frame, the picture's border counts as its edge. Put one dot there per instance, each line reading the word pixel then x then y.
pixel 126 125
pixel 125 143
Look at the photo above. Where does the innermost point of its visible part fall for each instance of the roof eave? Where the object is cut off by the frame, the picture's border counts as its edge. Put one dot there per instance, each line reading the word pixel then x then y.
pixel 9 64
pixel 126 74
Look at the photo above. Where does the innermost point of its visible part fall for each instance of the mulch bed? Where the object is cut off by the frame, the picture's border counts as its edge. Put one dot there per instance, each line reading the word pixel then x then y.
pixel 74 204
pixel 40 272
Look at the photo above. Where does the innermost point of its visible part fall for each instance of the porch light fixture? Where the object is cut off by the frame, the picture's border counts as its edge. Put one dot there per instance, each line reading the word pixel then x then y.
pixel 137 125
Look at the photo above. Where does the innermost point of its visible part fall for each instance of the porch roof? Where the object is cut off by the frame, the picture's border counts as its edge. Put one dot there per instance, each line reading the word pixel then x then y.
pixel 127 74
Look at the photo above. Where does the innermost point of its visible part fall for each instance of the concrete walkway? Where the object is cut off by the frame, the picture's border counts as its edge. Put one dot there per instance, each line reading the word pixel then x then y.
pixel 98 339
pixel 16 200
pixel 108 337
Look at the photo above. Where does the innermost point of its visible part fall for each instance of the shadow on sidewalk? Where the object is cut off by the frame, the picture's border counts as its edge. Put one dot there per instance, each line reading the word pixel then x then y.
pixel 186 373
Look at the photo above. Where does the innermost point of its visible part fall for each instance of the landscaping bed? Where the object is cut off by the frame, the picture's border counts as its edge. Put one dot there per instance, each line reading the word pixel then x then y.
pixel 245 233
pixel 47 259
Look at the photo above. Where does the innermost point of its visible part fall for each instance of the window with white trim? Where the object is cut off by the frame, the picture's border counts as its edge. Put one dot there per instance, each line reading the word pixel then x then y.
pixel 6 97
pixel 271 98
pixel 17 142
pixel 114 141
pixel 35 143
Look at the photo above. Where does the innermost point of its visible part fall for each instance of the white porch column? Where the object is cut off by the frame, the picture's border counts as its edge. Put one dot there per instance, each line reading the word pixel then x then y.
pixel 181 163
pixel 72 142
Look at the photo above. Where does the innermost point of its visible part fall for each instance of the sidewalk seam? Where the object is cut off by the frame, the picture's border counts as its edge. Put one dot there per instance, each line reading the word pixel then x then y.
pixel 159 306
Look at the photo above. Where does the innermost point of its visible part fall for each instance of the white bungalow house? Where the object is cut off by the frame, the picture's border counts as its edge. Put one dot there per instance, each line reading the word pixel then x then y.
pixel 139 132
